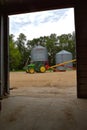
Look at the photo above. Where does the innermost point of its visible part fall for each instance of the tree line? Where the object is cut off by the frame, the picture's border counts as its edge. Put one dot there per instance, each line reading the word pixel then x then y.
pixel 20 49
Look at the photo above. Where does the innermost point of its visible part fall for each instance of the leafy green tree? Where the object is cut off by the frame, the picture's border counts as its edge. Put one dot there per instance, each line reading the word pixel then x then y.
pixel 51 44
pixel 22 47
pixel 14 54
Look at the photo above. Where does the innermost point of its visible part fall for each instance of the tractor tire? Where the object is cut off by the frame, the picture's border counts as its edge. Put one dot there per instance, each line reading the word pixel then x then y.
pixel 42 69
pixel 31 70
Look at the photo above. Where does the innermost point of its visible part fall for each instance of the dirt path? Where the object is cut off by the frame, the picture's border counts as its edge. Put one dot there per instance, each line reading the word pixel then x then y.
pixel 47 84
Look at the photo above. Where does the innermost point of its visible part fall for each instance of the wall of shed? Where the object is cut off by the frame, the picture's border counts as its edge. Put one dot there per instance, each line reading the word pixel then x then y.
pixel 81 47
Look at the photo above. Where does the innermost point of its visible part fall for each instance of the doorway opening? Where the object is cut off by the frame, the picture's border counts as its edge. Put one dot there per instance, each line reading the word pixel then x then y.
pixel 54 30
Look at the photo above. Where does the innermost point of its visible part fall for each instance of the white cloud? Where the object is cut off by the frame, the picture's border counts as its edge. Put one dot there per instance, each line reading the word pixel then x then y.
pixel 44 23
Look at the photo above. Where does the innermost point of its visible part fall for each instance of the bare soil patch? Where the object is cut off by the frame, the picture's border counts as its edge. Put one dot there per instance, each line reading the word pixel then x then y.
pixel 43 84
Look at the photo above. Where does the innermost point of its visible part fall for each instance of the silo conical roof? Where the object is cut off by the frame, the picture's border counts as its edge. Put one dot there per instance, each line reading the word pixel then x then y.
pixel 64 52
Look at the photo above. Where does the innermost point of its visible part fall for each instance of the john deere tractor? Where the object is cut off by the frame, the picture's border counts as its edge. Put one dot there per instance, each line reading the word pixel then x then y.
pixel 37 66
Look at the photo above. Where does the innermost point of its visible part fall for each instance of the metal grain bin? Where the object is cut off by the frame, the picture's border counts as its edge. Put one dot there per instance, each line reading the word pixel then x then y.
pixel 64 56
pixel 39 53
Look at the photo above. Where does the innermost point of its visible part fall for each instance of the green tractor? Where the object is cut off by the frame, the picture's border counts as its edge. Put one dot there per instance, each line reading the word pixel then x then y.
pixel 37 66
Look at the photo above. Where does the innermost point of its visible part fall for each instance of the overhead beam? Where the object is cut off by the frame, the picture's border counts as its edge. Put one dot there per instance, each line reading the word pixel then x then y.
pixel 25 6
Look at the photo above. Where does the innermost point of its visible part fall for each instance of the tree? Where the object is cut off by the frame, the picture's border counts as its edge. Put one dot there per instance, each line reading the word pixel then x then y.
pixel 21 44
pixel 22 47
pixel 14 54
pixel 51 44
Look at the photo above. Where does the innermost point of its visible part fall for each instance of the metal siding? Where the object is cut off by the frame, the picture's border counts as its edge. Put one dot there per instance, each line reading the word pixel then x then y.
pixel 39 53
pixel 63 56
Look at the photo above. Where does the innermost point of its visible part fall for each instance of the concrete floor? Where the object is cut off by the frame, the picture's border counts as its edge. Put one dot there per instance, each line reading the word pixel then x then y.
pixel 46 102
pixel 43 113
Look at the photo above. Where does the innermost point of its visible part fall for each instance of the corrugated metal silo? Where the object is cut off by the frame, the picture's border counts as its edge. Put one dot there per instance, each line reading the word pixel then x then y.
pixel 64 56
pixel 39 53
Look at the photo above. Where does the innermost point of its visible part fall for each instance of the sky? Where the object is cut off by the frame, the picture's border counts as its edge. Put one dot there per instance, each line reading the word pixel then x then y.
pixel 44 23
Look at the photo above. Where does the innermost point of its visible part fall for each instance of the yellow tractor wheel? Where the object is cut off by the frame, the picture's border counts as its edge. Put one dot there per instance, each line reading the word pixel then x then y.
pixel 42 69
pixel 31 70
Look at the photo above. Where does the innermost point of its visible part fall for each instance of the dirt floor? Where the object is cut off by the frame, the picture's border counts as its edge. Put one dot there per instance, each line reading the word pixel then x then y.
pixel 45 101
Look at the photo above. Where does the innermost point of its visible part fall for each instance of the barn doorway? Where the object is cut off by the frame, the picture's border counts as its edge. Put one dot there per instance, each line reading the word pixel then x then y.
pixel 42 28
